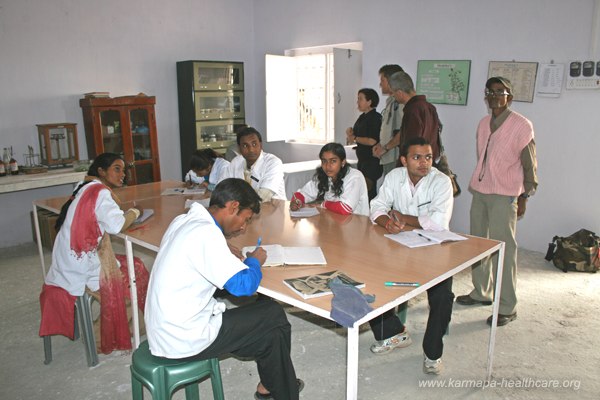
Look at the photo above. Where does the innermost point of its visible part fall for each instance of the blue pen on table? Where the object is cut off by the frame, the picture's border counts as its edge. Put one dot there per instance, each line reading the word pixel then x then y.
pixel 403 284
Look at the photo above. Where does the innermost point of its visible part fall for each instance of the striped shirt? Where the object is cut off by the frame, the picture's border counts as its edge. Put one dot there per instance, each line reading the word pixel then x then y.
pixel 499 169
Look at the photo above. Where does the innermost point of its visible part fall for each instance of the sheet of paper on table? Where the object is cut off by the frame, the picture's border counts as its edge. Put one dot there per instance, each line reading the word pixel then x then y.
pixel 304 212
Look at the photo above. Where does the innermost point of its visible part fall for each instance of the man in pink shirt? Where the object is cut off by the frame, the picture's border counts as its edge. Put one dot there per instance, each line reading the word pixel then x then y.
pixel 504 179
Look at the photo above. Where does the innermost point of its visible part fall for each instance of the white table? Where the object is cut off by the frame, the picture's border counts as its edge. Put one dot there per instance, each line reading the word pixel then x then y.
pixel 335 234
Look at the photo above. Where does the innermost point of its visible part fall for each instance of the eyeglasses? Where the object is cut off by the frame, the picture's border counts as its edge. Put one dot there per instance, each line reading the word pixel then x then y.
pixel 496 93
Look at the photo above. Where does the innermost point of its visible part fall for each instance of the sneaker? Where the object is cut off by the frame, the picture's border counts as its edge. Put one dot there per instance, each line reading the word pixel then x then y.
pixel 432 366
pixel 397 341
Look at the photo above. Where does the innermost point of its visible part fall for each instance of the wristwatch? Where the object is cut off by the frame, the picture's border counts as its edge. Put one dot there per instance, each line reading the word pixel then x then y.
pixel 525 195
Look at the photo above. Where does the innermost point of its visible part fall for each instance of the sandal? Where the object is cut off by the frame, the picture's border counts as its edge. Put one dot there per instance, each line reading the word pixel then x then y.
pixel 260 396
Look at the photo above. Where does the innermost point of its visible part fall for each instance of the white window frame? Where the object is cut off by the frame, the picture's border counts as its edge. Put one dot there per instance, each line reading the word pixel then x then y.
pixel 289 117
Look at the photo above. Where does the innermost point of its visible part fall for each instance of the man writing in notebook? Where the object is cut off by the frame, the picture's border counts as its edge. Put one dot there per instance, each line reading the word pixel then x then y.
pixel 184 320
pixel 416 195
pixel 264 171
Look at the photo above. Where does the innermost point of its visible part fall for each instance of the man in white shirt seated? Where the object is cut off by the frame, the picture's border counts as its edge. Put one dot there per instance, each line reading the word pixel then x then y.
pixel 416 195
pixel 183 319
pixel 264 171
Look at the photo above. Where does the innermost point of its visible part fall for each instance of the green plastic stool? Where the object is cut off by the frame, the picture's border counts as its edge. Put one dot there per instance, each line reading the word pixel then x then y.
pixel 162 376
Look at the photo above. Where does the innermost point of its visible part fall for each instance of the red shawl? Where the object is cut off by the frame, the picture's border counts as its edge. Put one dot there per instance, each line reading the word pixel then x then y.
pixel 85 232
pixel 57 309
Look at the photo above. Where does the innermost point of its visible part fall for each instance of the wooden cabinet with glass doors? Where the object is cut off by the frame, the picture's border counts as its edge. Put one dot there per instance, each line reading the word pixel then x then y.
pixel 126 126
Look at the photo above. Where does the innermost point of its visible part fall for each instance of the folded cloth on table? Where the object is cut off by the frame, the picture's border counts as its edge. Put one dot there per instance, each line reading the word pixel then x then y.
pixel 349 304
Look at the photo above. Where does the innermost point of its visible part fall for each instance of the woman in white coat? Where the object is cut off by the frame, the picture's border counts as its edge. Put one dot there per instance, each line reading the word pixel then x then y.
pixel 83 258
pixel 335 186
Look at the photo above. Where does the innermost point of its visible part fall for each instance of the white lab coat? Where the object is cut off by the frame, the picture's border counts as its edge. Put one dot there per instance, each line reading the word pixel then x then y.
pixel 432 201
pixel 266 172
pixel 354 192
pixel 74 273
pixel 182 317
pixel 217 169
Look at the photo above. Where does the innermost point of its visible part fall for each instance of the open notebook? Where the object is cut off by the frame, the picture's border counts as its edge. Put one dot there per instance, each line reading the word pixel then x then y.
pixel 279 255
pixel 421 237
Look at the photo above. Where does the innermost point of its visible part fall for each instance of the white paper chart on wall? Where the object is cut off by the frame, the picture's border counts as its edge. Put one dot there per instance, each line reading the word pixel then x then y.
pixel 583 75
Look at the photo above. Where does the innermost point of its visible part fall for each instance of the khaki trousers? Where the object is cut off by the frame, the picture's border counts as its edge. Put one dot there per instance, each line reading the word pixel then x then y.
pixel 495 217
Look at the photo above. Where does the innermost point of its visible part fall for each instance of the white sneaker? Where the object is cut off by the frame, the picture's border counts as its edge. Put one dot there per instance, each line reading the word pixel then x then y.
pixel 432 366
pixel 397 341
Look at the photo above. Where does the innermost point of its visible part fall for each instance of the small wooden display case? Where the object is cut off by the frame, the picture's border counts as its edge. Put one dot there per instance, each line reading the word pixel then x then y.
pixel 58 144
pixel 126 126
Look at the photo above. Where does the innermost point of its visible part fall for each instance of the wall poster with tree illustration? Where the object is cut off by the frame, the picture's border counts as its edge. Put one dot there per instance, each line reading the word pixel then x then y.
pixel 444 81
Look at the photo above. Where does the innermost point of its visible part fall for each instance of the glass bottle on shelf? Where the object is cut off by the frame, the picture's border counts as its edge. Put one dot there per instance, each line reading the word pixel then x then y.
pixel 13 166
pixel 6 157
pixel 2 168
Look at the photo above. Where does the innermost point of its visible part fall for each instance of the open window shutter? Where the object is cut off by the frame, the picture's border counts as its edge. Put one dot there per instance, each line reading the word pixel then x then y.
pixel 347 83
pixel 281 97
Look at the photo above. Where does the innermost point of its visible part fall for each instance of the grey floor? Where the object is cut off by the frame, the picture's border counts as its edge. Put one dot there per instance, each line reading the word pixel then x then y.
pixel 551 351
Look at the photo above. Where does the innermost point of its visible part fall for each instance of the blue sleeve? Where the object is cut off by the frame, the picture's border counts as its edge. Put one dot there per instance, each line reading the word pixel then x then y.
pixel 245 282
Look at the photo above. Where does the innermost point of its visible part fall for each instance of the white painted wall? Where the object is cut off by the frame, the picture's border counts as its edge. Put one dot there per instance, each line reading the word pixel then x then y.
pixel 404 31
pixel 54 51
pixel 51 52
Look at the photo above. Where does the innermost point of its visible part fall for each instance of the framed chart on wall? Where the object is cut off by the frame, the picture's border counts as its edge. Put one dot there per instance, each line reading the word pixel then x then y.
pixel 444 81
pixel 522 75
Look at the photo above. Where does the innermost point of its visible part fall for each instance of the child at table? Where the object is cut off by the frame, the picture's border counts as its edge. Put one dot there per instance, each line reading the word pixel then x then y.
pixel 335 185
pixel 83 259
pixel 205 168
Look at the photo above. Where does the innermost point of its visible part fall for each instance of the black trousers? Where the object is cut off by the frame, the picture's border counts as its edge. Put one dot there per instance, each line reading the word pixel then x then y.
pixel 259 330
pixel 440 299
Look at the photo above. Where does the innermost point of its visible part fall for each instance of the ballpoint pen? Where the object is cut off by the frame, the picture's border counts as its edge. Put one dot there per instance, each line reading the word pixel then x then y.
pixel 424 237
pixel 258 242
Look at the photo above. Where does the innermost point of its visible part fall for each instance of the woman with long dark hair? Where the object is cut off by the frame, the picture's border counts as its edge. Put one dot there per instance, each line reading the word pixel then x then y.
pixel 83 258
pixel 335 185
